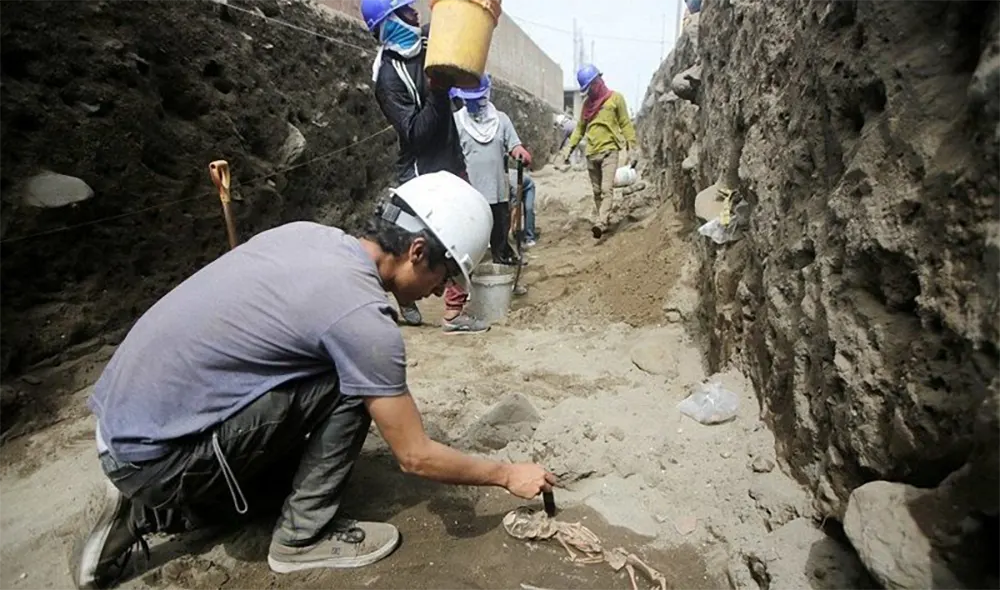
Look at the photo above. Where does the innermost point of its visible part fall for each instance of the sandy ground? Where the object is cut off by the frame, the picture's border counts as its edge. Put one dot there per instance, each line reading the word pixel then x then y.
pixel 689 498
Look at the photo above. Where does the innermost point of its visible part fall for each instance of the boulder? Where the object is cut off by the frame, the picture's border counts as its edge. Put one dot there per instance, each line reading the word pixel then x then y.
pixel 891 526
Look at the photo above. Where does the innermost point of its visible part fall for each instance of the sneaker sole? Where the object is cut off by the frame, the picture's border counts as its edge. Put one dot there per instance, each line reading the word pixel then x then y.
pixel 453 332
pixel 287 567
pixel 88 550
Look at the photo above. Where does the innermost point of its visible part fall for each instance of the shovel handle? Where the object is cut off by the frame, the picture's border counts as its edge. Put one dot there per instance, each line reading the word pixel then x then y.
pixel 219 171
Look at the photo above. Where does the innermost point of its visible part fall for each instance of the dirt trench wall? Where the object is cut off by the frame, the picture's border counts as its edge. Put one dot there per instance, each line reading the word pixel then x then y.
pixel 533 120
pixel 863 298
pixel 135 99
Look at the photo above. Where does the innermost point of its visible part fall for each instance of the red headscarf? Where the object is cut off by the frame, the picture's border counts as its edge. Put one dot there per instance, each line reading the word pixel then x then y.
pixel 597 93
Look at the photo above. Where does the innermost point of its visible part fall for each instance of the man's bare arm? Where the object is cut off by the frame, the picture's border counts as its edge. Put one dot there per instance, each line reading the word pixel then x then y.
pixel 398 419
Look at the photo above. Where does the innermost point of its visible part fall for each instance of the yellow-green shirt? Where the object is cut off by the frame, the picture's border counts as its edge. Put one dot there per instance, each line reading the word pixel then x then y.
pixel 611 128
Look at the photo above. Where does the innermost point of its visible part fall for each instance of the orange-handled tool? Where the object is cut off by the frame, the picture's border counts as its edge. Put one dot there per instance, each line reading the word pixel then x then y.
pixel 219 170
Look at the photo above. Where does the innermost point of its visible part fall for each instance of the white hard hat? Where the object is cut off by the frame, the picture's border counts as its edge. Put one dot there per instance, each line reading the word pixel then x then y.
pixel 456 213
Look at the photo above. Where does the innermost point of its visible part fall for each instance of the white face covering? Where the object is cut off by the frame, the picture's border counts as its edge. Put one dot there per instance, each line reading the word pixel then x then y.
pixel 481 125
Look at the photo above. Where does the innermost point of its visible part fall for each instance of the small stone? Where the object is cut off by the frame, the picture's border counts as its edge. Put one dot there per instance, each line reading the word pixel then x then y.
pixel 23 575
pixel 673 316
pixel 762 465
pixel 49 190
pixel 725 454
pixel 412 363
pixel 616 432
pixel 31 380
pixel 686 525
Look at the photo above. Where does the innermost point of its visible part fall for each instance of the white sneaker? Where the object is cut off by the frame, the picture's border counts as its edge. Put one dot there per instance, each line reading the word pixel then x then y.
pixel 353 544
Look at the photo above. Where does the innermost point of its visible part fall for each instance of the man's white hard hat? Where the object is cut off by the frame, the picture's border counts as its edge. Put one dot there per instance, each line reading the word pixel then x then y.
pixel 455 213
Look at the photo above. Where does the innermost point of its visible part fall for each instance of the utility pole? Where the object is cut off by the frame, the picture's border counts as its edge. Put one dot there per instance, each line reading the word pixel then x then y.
pixel 576 62
pixel 592 59
pixel 680 17
pixel 663 35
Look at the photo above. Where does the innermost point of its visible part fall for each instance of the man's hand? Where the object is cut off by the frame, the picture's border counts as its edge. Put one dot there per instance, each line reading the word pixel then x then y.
pixel 521 153
pixel 439 84
pixel 527 480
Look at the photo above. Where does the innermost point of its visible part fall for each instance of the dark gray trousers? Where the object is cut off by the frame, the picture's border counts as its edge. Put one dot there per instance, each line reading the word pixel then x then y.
pixel 307 429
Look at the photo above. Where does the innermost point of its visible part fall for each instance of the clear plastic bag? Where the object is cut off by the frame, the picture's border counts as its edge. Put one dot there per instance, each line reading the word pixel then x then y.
pixel 724 234
pixel 711 403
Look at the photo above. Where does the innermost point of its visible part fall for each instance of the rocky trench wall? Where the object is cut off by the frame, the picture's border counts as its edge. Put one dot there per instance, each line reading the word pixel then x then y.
pixel 861 296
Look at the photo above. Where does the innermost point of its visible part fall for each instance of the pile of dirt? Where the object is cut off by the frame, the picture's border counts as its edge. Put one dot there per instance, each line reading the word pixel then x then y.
pixel 640 274
pixel 861 296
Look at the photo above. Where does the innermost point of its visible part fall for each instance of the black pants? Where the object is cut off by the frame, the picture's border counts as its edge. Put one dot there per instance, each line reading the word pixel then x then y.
pixel 499 246
pixel 265 438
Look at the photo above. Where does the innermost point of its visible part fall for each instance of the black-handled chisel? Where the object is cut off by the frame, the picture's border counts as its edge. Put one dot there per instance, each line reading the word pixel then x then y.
pixel 550 503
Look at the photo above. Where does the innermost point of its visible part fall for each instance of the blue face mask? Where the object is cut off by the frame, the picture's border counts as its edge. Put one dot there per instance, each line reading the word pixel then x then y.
pixel 400 37
pixel 477 104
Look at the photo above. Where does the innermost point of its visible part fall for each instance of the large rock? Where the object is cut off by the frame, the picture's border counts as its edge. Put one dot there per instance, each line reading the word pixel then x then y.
pixel 891 526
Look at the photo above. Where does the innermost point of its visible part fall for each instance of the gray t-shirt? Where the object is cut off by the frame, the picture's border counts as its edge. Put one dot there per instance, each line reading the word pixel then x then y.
pixel 293 302
pixel 484 161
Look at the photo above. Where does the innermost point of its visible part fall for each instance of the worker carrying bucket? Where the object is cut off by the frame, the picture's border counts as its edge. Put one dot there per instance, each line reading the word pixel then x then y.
pixel 606 125
pixel 419 110
pixel 272 385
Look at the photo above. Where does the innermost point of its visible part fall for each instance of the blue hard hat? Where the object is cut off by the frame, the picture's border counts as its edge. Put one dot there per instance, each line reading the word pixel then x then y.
pixel 376 11
pixel 585 75
pixel 473 93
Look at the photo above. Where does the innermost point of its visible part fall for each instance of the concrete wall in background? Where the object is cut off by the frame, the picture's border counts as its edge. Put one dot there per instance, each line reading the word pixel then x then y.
pixel 514 57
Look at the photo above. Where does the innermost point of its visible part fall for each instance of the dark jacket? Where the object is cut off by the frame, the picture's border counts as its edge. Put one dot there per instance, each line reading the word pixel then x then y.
pixel 428 139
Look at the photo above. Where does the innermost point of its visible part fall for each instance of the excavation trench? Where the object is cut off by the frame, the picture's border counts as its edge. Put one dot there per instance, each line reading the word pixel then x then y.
pixel 683 496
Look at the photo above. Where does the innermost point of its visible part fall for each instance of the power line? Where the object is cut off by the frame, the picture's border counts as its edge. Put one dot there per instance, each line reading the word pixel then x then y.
pixel 567 32
pixel 296 27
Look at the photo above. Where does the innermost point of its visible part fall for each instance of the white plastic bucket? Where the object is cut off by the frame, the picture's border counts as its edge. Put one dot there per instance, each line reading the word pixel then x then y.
pixel 625 176
pixel 491 291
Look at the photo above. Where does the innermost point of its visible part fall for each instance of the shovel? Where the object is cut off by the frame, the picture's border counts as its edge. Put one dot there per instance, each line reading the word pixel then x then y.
pixel 517 216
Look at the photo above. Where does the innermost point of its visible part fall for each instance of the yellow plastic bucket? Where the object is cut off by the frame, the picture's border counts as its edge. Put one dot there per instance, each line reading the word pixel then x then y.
pixel 461 33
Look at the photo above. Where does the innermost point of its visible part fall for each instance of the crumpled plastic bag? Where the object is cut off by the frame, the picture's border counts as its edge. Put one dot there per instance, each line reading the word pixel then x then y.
pixel 723 234
pixel 710 403
pixel 717 232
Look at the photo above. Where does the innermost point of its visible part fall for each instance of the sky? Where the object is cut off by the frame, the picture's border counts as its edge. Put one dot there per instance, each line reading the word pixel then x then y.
pixel 626 36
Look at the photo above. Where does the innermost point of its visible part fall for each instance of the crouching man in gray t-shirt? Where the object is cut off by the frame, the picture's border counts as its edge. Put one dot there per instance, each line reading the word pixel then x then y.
pixel 280 353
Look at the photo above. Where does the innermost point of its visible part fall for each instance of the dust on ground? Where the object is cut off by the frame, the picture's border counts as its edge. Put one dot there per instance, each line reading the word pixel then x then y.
pixel 685 497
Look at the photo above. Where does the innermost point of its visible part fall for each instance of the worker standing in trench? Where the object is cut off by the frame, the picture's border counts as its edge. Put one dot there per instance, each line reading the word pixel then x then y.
pixel 214 391
pixel 420 111
pixel 605 122
pixel 487 136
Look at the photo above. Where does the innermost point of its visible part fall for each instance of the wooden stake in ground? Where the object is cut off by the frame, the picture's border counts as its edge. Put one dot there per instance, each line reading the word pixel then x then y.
pixel 219 171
